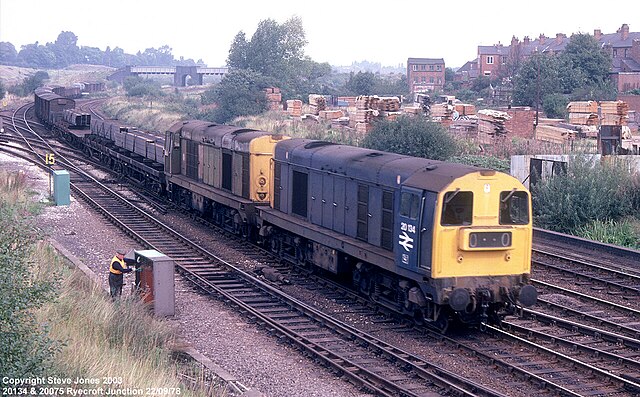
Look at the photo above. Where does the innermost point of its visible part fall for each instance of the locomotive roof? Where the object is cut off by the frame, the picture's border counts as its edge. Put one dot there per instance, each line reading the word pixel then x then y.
pixel 216 134
pixel 371 165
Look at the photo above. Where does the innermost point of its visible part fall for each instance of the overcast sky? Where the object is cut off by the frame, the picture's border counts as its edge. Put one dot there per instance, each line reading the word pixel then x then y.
pixel 338 32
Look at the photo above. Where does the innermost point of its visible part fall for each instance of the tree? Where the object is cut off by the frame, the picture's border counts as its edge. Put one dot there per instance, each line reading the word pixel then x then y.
pixel 8 53
pixel 66 49
pixel 361 83
pixel 412 136
pixel 35 55
pixel 239 93
pixel 139 87
pixel 275 52
pixel 584 53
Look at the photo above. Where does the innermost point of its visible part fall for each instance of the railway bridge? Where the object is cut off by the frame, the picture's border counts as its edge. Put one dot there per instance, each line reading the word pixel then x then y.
pixel 180 73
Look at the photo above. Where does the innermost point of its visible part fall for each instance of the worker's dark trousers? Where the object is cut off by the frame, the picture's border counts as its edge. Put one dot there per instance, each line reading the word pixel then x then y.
pixel 115 284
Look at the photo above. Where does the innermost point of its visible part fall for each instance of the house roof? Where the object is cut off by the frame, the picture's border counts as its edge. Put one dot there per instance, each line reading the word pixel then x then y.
pixel 616 41
pixel 493 50
pixel 427 61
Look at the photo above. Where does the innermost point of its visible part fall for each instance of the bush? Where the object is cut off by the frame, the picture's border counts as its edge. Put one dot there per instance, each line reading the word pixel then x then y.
pixel 587 192
pixel 412 136
pixel 25 348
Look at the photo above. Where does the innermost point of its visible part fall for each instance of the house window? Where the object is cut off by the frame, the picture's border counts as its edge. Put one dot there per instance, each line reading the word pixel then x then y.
pixel 439 68
pixel 415 68
pixel 423 67
pixel 504 59
pixel 615 53
pixel 439 81
pixel 430 67
pixel 416 80
pixel 431 80
pixel 490 60
pixel 487 73
pixel 625 52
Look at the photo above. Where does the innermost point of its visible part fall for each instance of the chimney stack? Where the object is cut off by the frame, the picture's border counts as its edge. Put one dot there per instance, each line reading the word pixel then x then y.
pixel 559 37
pixel 541 38
pixel 624 31
pixel 526 40
pixel 597 34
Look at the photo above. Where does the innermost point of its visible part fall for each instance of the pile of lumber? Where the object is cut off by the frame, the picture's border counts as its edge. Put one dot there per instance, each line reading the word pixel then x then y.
pixel 614 113
pixel 465 109
pixel 366 102
pixel 274 98
pixel 491 122
pixel 330 114
pixel 388 104
pixel 366 115
pixel 317 103
pixel 583 112
pixel 412 110
pixel 442 112
pixel 294 107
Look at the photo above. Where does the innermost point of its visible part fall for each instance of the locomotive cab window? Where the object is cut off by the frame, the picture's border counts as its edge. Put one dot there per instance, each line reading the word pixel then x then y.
pixel 457 209
pixel 410 205
pixel 514 208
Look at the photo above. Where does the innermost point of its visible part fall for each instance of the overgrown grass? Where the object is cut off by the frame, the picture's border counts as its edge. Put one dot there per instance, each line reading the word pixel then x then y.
pixel 102 338
pixel 141 113
pixel 625 233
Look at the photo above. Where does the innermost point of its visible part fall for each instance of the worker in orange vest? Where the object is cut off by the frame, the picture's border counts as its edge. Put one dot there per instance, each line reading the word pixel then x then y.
pixel 116 270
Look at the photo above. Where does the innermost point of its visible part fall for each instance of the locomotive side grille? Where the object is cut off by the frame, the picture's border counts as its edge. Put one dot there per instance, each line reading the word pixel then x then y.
pixel 386 236
pixel 362 231
pixel 192 159
pixel 276 185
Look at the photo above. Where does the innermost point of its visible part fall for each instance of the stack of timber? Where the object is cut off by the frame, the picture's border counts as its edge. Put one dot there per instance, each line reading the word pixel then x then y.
pixel 274 98
pixel 366 102
pixel 330 114
pixel 412 110
pixel 294 107
pixel 442 112
pixel 583 112
pixel 614 113
pixel 388 104
pixel 366 112
pixel 465 109
pixel 491 122
pixel 317 103
pixel 554 133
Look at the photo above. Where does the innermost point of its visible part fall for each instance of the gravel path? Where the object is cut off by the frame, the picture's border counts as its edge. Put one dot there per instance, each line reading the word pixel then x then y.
pixel 247 352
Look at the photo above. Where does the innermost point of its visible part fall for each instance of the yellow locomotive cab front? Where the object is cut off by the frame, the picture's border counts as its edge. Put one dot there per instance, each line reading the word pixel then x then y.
pixel 482 228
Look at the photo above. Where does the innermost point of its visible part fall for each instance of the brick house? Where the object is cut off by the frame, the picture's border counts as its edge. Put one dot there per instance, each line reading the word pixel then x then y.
pixel 623 47
pixel 425 74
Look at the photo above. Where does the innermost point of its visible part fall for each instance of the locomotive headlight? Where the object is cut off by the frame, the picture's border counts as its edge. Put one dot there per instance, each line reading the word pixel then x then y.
pixel 473 239
pixel 262 180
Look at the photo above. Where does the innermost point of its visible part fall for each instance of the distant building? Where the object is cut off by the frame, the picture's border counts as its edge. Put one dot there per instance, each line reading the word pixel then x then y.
pixel 623 47
pixel 425 74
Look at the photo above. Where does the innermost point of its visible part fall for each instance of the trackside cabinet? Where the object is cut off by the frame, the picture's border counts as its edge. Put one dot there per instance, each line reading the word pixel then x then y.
pixel 155 283
pixel 61 182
